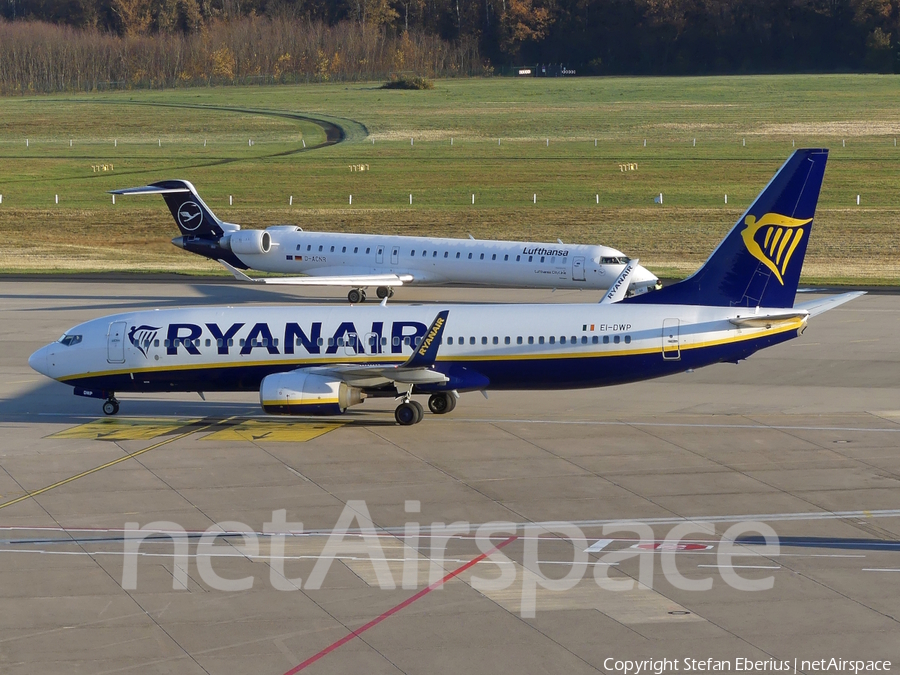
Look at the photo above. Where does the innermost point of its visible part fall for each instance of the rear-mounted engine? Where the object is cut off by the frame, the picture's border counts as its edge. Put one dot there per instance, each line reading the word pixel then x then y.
pixel 248 242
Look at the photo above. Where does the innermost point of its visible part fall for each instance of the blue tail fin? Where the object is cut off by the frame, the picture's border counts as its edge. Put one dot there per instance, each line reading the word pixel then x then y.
pixel 758 263
pixel 193 217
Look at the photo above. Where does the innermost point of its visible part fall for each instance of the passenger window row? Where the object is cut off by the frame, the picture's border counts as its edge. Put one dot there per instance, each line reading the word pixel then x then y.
pixel 372 340
pixel 434 254
pixel 552 339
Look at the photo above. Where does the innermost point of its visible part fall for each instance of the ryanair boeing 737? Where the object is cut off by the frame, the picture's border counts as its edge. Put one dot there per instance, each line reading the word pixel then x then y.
pixel 361 261
pixel 321 360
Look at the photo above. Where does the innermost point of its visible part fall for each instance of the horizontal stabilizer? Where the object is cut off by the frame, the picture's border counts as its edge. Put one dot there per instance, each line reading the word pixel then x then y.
pixel 148 190
pixel 351 280
pixel 767 320
pixel 815 307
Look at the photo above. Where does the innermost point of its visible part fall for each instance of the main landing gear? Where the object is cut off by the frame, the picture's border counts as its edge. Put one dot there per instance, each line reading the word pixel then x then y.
pixel 357 295
pixel 111 406
pixel 441 404
pixel 410 412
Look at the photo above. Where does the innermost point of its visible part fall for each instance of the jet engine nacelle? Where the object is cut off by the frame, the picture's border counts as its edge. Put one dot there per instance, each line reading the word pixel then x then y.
pixel 301 393
pixel 248 242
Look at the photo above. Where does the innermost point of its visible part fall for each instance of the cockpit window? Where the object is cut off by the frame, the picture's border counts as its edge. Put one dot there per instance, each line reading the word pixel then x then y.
pixel 614 260
pixel 69 340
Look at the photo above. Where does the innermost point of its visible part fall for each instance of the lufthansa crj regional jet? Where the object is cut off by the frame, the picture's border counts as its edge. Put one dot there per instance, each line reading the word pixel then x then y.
pixel 321 360
pixel 361 260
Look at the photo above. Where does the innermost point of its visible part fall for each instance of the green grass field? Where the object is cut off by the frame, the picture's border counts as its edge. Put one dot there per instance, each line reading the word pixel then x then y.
pixel 547 129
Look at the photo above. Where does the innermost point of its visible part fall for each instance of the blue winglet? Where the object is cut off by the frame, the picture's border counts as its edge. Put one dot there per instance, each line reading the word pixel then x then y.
pixel 426 352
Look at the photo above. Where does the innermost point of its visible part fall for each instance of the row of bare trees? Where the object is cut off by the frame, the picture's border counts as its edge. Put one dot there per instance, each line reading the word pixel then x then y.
pixel 166 42
pixel 44 57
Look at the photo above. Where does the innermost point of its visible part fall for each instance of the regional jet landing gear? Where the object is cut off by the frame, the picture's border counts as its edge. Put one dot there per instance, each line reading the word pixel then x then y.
pixel 357 295
pixel 111 406
pixel 385 292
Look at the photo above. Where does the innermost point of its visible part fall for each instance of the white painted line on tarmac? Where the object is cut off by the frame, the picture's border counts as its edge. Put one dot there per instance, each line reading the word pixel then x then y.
pixel 598 545
pixel 425 530
pixel 881 569
pixel 746 567
pixel 678 425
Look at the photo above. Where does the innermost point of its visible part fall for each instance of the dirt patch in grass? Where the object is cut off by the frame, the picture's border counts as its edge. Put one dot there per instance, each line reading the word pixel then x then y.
pixel 848 128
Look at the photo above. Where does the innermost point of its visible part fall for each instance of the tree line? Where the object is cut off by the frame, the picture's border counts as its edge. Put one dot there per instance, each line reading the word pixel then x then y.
pixel 163 41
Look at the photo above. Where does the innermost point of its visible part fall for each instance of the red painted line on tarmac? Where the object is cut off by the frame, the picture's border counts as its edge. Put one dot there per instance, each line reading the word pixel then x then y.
pixel 393 610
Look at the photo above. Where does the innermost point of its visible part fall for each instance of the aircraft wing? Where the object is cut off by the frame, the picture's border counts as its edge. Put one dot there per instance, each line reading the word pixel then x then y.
pixel 418 368
pixel 350 280
pixel 360 375
pixel 815 307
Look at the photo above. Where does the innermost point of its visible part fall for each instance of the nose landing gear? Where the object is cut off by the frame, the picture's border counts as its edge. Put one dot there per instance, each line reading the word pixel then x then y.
pixel 111 406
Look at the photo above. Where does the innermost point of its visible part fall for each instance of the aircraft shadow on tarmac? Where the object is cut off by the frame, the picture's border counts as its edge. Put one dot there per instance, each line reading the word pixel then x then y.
pixel 55 403
pixel 228 294
pixel 207 294
pixel 844 543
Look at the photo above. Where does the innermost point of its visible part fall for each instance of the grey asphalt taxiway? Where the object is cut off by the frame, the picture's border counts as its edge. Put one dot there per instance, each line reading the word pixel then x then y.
pixel 646 486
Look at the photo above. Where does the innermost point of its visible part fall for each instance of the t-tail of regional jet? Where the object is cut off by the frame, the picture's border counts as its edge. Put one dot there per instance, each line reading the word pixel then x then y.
pixel 201 231
pixel 758 264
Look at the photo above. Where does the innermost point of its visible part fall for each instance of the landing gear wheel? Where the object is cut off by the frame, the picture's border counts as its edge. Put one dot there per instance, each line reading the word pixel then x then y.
pixel 111 407
pixel 407 414
pixel 420 411
pixel 441 404
pixel 355 296
pixel 383 292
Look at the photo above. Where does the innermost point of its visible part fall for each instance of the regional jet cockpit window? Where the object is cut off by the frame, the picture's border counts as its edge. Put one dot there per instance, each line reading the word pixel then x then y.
pixel 69 340
pixel 613 260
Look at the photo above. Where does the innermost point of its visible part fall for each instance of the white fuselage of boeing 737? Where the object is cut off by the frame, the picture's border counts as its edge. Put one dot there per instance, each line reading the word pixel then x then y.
pixel 491 346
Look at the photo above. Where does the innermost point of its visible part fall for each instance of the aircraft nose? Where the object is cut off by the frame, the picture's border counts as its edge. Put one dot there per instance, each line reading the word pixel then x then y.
pixel 38 361
pixel 642 274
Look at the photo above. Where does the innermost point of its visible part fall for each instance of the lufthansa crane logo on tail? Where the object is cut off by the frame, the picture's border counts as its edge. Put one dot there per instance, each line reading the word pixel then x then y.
pixel 772 240
pixel 190 215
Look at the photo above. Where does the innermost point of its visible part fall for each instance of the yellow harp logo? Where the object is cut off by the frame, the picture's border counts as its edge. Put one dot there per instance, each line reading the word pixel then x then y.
pixel 780 236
